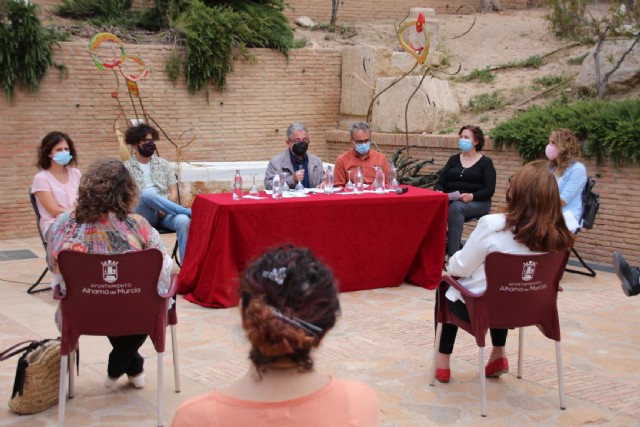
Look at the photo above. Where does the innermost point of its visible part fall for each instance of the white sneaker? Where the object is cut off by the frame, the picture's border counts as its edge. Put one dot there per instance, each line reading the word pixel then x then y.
pixel 110 382
pixel 138 380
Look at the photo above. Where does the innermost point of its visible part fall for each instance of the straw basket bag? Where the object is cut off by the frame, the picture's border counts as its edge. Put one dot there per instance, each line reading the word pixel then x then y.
pixel 37 379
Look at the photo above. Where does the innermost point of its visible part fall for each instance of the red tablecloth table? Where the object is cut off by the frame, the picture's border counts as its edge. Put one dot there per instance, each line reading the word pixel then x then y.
pixel 369 240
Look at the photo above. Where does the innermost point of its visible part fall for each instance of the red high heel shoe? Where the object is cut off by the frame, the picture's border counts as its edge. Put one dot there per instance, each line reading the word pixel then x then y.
pixel 496 368
pixel 443 375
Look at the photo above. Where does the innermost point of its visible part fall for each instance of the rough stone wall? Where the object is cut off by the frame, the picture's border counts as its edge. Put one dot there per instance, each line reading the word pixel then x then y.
pixel 352 11
pixel 246 121
pixel 617 225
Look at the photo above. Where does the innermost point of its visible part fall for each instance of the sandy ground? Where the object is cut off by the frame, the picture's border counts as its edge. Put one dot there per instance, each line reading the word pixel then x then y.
pixel 494 39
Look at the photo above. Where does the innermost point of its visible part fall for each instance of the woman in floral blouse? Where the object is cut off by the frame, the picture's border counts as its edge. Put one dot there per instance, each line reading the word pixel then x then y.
pixel 102 223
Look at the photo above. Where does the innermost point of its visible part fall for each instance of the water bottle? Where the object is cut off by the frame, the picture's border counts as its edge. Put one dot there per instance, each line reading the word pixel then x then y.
pixel 276 188
pixel 237 186
pixel 328 181
pixel 379 180
pixel 359 181
pixel 393 176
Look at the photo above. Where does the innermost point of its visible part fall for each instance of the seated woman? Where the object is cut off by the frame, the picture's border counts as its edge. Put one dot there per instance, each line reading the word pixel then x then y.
pixel 288 303
pixel 56 185
pixel 103 223
pixel 563 152
pixel 532 223
pixel 473 175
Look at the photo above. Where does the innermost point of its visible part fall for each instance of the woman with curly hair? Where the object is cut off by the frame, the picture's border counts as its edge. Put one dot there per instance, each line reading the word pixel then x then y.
pixel 563 152
pixel 103 223
pixel 532 223
pixel 288 303
pixel 55 187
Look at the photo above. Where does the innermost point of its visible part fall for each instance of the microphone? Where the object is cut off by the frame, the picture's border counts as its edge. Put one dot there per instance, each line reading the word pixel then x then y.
pixel 401 190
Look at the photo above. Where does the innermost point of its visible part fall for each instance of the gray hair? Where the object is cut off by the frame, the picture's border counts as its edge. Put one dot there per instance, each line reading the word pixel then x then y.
pixel 294 127
pixel 359 126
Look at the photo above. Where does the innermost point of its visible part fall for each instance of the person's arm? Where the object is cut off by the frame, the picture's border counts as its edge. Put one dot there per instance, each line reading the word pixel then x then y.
pixel 467 260
pixel 269 174
pixel 488 181
pixel 173 193
pixel 340 173
pixel 442 179
pixel 46 199
pixel 573 184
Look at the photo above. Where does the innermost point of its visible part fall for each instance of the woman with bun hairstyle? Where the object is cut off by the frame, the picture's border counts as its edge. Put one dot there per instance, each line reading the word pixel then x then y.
pixel 55 187
pixel 288 303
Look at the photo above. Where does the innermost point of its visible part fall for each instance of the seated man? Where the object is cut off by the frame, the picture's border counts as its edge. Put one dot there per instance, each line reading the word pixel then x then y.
pixel 629 276
pixel 361 155
pixel 295 161
pixel 157 184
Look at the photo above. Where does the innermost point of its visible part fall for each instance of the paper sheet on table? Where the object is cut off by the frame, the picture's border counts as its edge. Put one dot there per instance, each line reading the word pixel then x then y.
pixel 293 194
pixel 248 196
pixel 454 196
pixel 321 190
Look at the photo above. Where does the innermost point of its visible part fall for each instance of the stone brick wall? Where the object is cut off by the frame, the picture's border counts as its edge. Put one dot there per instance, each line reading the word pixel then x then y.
pixel 246 121
pixel 617 225
pixel 353 11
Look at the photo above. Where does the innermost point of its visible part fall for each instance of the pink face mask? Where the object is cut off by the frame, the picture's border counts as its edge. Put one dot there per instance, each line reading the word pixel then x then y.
pixel 551 151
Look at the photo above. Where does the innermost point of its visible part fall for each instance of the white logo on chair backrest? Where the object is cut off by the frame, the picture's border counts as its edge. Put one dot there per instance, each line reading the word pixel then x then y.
pixel 109 271
pixel 528 270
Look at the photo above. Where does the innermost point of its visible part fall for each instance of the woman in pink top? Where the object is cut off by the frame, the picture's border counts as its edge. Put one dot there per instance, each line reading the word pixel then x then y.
pixel 288 303
pixel 56 185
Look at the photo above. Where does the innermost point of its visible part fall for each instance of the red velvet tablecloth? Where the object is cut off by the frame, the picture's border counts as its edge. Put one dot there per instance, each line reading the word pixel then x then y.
pixel 370 240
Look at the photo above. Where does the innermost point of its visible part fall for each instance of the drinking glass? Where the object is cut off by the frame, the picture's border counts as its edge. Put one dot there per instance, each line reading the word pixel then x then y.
pixel 254 190
pixel 285 186
pixel 349 188
pixel 299 176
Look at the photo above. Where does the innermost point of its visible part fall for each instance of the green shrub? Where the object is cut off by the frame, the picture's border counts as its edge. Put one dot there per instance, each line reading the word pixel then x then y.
pixel 486 102
pixel 98 12
pixel 481 75
pixel 577 60
pixel 26 48
pixel 607 129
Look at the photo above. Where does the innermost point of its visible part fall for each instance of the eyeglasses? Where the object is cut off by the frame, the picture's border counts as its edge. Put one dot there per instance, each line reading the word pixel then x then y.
pixel 362 141
pixel 296 141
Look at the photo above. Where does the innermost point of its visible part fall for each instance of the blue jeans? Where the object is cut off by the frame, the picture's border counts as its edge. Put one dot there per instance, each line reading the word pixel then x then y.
pixel 458 212
pixel 177 218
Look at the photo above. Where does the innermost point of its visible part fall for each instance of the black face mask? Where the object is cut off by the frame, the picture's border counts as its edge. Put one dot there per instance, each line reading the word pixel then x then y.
pixel 147 149
pixel 300 148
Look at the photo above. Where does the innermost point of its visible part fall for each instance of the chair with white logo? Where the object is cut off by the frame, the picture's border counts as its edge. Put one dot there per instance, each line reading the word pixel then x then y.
pixel 110 295
pixel 522 290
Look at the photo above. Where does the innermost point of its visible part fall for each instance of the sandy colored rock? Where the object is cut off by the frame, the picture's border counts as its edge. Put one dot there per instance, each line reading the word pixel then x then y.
pixel 432 104
pixel 624 78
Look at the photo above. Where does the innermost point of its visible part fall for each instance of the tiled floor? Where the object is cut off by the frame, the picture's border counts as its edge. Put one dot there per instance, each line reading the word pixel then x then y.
pixel 384 338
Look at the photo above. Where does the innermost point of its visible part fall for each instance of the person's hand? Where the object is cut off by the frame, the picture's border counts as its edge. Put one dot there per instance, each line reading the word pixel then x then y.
pixel 161 214
pixel 466 197
pixel 299 175
pixel 321 185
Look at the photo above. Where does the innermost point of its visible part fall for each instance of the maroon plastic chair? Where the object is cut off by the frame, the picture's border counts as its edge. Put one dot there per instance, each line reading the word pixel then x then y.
pixel 112 295
pixel 522 290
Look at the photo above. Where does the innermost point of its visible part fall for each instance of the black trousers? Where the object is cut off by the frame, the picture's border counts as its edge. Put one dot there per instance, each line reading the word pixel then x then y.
pixel 449 331
pixel 124 358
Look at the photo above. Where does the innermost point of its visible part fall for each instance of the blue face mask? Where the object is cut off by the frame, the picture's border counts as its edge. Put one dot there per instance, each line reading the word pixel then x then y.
pixel 363 148
pixel 62 158
pixel 465 144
